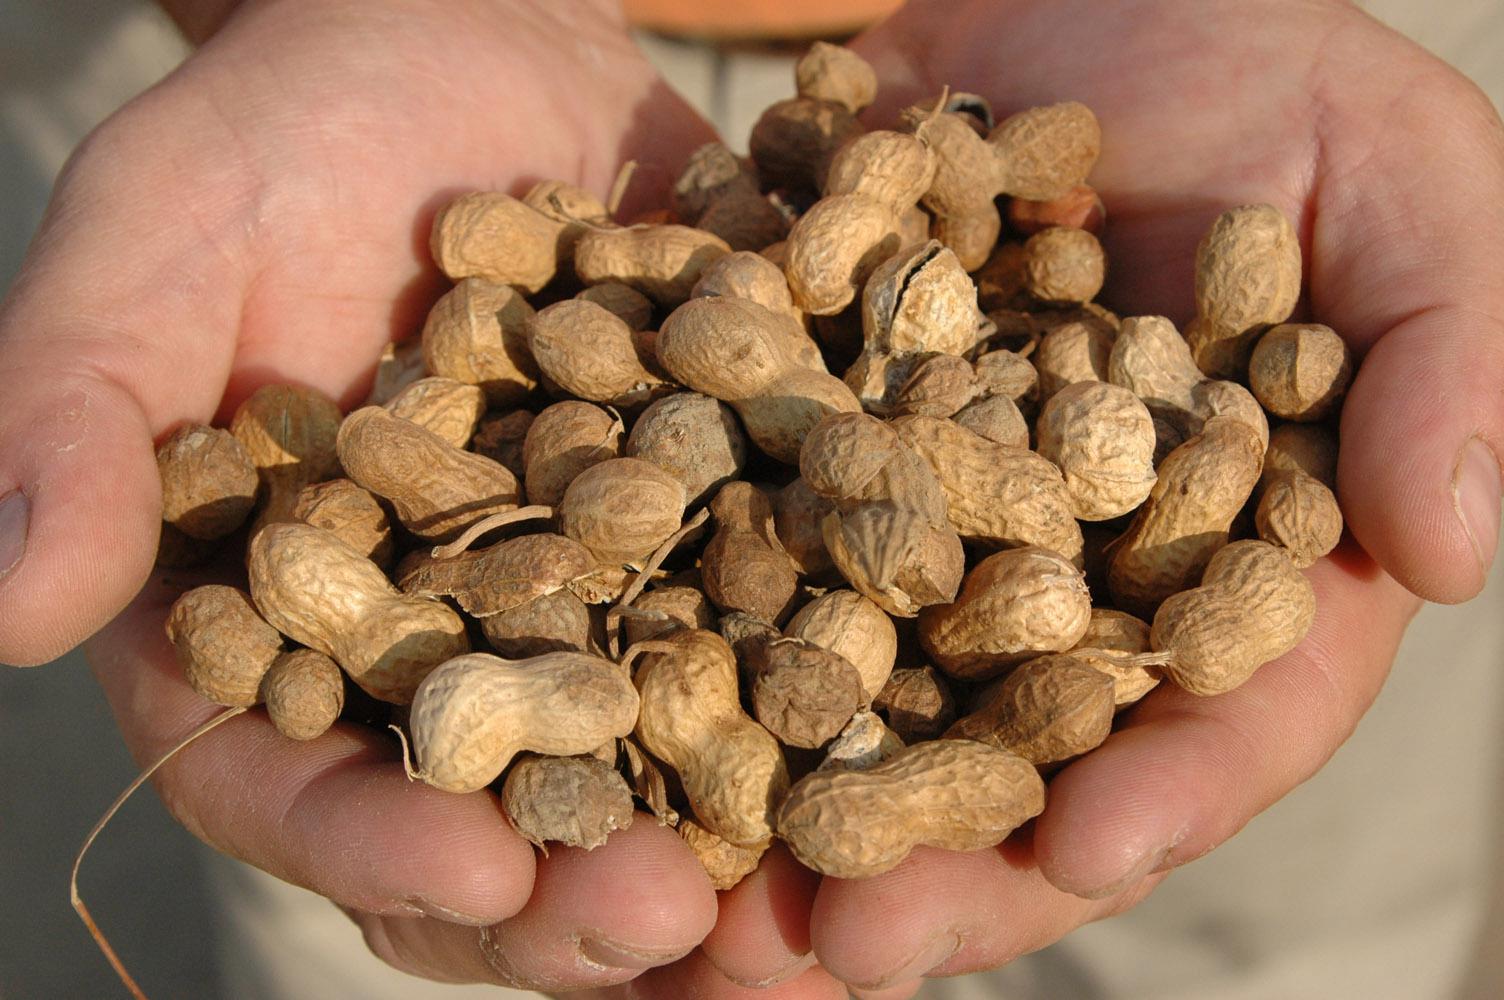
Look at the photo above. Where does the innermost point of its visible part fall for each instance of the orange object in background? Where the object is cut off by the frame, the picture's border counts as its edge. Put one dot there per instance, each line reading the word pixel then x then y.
pixel 733 20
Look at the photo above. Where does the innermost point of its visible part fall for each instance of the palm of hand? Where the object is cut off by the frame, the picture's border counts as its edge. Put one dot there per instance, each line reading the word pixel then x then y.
pixel 1214 110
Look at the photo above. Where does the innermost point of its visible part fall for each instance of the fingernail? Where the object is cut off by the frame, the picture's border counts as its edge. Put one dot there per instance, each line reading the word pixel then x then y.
pixel 1475 492
pixel 15 517
pixel 797 967
pixel 1144 865
pixel 610 954
pixel 432 909
pixel 932 955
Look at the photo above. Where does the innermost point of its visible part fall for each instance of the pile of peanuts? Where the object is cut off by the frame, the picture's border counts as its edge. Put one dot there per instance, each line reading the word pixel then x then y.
pixel 924 583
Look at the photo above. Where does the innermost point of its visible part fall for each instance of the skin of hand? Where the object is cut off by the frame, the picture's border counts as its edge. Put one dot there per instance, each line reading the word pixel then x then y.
pixel 180 243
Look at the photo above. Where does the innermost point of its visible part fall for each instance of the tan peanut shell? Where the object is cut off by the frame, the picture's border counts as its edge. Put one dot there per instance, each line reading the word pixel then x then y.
pixel 477 333
pixel 500 437
pixel 895 168
pixel 622 301
pixel 793 141
pixel 1075 351
pixel 995 494
pixel 939 385
pixel 967 175
pixel 316 590
pixel 953 794
pixel 744 275
pixel 487 234
pixel 1013 606
pixel 573 209
pixel 678 605
pixel 918 703
pixel 222 644
pixel 591 353
pixel 1102 439
pixel 725 863
pixel 351 513
pixel 744 567
pixel 304 693
pixel 835 73
pixel 1048 710
pixel 208 481
pixel 1108 634
pixel 1064 265
pixel 851 625
pixel 574 801
pixel 1202 486
pixel 712 172
pixel 970 237
pixel 474 713
pixel 997 419
pixel 622 509
pixel 862 745
pixel 502 576
pixel 899 557
pixel 1300 371
pixel 662 262
pixel 802 693
pixel 732 769
pixel 835 247
pixel 798 513
pixel 1248 270
pixel 1044 152
pixel 693 437
pixel 1252 606
pixel 436 489
pixel 289 433
pixel 1006 374
pixel 554 622
pixel 1299 514
pixel 448 408
pixel 564 440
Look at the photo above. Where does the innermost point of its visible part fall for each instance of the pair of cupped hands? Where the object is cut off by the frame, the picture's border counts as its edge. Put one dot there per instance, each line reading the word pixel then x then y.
pixel 262 215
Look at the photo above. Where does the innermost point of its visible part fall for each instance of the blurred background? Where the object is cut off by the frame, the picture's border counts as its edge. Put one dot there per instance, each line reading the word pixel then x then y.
pixel 1378 878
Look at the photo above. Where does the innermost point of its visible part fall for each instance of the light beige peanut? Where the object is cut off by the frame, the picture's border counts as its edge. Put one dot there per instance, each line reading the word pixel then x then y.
pixel 662 262
pixel 693 437
pixel 563 441
pixel 622 301
pixel 1044 152
pixel 487 234
pixel 436 489
pixel 750 276
pixel 970 237
pixel 622 509
pixel 474 713
pixel 1101 437
pixel 477 334
pixel 966 177
pixel 304 693
pixel 995 494
pixel 208 481
pixel 351 513
pixel 835 247
pixel 895 168
pixel 1151 360
pixel 738 352
pixel 444 406
pixel 546 624
pixel 851 625
pixel 574 801
pixel 793 142
pixel 691 718
pixel 500 577
pixel 835 73
pixel 725 863
pixel 1202 486
pixel 997 419
pixel 1252 606
pixel 954 794
pixel 1300 371
pixel 316 590
pixel 918 703
pixel 1300 515
pixel 1010 375
pixel 1248 269
pixel 1064 265
pixel 1110 643
pixel 223 645
pixel 1048 710
pixel 1013 606
pixel 918 301
pixel 289 432
pixel 939 385
pixel 1075 351
pixel 591 353
pixel 744 567
pixel 678 605
pixel 573 209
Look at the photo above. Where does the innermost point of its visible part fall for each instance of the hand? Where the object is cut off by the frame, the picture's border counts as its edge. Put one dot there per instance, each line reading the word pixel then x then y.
pixel 262 215
pixel 1391 162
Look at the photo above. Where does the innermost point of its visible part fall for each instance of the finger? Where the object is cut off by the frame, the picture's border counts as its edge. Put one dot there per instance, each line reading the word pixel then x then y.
pixel 695 976
pixel 1187 772
pixel 761 937
pixel 944 913
pixel 335 815
pixel 602 917
pixel 1395 265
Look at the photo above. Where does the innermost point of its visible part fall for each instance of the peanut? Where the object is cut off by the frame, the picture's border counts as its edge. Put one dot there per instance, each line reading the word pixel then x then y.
pixel 662 262
pixel 744 567
pixel 1247 279
pixel 694 438
pixel 591 353
pixel 1102 439
pixel 304 693
pixel 289 433
pixel 501 436
pixel 1300 371
pixel 1048 710
pixel 350 513
pixel 622 509
pixel 563 441
pixel 918 703
pixel 477 334
pixel 1111 640
pixel 834 73
pixel 854 627
pixel 725 863
pixel 1045 152
pixel 448 408
pixel 793 141
pixel 494 236
pixel 802 693
pixel 575 801
pixel 554 622
pixel 223 645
